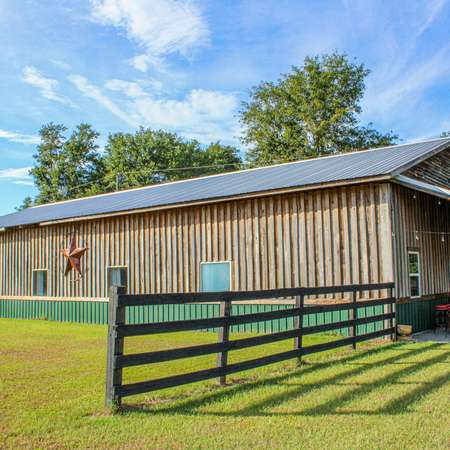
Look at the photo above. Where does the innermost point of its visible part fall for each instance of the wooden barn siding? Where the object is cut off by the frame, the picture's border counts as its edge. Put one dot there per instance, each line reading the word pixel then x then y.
pixel 313 238
pixel 418 221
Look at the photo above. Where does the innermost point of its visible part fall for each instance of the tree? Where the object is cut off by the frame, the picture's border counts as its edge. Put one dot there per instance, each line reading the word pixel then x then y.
pixel 218 158
pixel 47 169
pixel 445 134
pixel 67 168
pixel 311 111
pixel 82 165
pixel 148 157
pixel 26 203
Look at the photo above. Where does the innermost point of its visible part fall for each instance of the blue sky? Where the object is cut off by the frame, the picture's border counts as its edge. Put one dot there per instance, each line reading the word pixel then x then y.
pixel 185 65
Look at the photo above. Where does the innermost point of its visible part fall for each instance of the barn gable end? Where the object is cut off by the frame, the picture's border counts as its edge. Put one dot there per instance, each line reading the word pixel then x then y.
pixel 434 170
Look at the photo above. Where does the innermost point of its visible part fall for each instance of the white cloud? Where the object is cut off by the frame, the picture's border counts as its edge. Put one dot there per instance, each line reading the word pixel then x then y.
pixel 17 176
pixel 24 182
pixel 20 138
pixel 159 27
pixel 46 86
pixel 129 88
pixel 92 92
pixel 201 114
pixel 143 62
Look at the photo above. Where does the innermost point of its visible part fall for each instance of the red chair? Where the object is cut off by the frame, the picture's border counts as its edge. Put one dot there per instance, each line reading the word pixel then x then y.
pixel 442 317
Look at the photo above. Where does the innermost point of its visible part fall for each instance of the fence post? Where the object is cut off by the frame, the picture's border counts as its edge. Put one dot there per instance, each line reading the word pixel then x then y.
pixel 116 317
pixel 393 320
pixel 354 316
pixel 224 336
pixel 298 324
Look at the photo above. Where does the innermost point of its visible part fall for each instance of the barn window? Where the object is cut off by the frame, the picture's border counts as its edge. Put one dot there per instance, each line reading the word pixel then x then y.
pixel 117 276
pixel 414 274
pixel 215 276
pixel 40 283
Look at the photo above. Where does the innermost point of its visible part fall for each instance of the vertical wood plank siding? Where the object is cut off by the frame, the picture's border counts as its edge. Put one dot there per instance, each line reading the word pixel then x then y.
pixel 422 222
pixel 326 236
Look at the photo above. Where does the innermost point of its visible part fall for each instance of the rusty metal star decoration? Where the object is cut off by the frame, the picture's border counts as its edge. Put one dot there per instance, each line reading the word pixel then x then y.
pixel 73 254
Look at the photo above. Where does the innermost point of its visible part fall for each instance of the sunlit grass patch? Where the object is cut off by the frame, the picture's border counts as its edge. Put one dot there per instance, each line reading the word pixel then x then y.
pixel 381 396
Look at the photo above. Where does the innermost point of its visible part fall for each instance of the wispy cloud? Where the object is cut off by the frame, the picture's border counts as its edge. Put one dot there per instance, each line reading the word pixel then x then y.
pixel 20 138
pixel 201 114
pixel 94 93
pixel 386 94
pixel 46 86
pixel 17 176
pixel 159 27
pixel 435 8
pixel 131 89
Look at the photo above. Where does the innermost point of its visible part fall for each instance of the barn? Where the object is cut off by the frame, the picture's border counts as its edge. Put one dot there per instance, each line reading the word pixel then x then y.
pixel 373 216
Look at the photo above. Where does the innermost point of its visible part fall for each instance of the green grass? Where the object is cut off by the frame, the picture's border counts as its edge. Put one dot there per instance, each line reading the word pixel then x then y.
pixel 383 396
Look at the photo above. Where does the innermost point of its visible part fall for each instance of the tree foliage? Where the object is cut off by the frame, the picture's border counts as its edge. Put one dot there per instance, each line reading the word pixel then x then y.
pixel 148 157
pixel 64 167
pixel 311 111
pixel 26 203
pixel 72 167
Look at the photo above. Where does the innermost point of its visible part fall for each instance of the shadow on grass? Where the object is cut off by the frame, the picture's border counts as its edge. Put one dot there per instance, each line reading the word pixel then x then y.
pixel 351 368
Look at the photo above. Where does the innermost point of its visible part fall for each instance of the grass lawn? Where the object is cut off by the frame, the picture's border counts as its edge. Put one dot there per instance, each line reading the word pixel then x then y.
pixel 383 396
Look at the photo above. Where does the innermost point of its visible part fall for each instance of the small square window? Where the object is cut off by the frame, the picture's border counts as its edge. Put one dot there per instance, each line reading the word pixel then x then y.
pixel 215 276
pixel 39 283
pixel 413 263
pixel 117 276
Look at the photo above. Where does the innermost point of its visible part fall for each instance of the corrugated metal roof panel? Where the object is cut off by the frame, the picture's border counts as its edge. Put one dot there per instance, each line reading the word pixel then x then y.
pixel 340 168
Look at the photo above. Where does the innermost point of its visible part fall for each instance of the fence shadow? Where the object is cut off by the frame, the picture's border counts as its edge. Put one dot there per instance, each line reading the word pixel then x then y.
pixel 352 365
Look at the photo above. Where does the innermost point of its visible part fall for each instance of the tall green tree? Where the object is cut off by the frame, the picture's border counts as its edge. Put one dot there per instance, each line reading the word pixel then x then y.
pixel 47 169
pixel 148 156
pixel 64 167
pixel 82 165
pixel 311 111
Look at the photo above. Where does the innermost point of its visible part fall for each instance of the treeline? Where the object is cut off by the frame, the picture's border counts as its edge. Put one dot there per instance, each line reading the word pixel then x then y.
pixel 314 110
pixel 73 166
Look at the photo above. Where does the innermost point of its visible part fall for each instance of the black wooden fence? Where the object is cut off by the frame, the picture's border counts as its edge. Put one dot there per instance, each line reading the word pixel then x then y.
pixel 118 330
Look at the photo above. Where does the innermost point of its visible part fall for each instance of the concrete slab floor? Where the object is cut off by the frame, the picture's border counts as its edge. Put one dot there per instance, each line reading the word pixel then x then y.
pixel 432 336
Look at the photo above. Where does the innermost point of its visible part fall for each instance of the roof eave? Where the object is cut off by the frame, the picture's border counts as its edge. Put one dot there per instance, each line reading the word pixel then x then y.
pixel 422 186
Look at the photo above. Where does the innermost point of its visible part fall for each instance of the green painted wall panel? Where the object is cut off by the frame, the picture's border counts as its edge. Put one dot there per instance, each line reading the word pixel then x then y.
pixel 97 313
pixel 418 313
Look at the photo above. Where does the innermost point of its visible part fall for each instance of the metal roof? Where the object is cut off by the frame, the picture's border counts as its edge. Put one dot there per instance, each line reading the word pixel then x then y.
pixel 349 167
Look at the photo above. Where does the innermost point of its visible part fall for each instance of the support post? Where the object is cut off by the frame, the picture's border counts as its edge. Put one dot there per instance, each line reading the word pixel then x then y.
pixel 392 320
pixel 116 317
pixel 224 336
pixel 298 324
pixel 353 313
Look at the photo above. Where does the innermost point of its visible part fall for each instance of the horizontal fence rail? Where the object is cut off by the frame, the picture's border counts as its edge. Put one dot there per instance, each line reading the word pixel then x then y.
pixel 118 330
